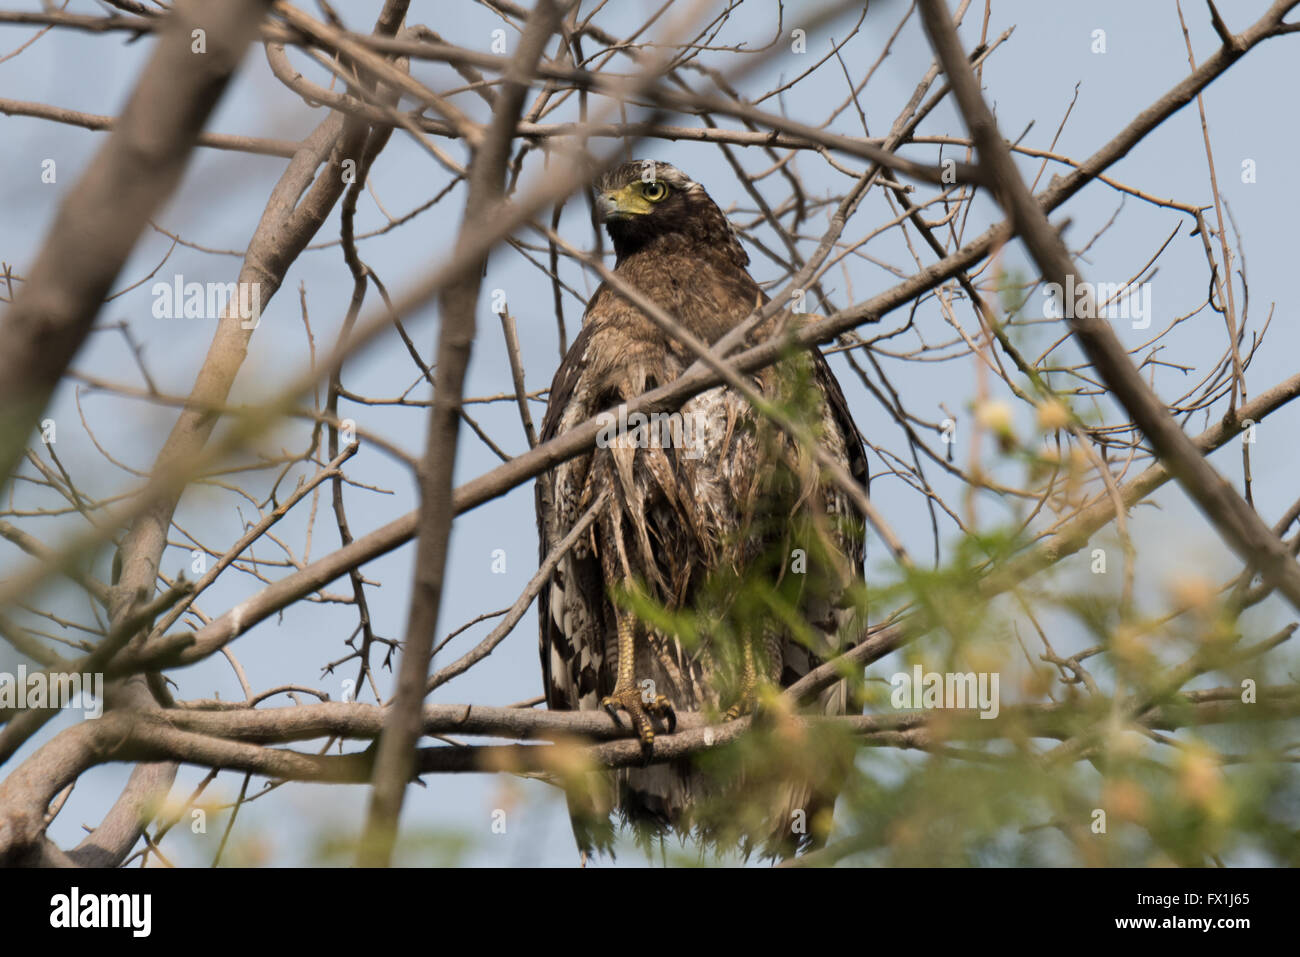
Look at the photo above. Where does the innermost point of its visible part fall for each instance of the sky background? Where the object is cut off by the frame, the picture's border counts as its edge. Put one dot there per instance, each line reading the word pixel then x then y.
pixel 1030 79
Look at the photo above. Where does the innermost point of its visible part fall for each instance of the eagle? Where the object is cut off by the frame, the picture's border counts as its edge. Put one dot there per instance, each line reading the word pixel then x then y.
pixel 704 529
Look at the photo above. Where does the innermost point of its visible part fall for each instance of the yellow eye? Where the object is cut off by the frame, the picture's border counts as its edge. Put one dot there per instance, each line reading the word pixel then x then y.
pixel 654 191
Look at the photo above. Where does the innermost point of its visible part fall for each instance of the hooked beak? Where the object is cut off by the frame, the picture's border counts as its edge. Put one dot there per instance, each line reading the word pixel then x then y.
pixel 625 203
pixel 607 204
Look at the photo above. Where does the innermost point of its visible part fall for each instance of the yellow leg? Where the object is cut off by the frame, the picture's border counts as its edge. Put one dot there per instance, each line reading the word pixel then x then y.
pixel 748 685
pixel 639 704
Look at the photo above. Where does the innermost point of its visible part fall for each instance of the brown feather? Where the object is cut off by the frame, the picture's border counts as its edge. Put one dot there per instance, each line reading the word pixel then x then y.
pixel 672 519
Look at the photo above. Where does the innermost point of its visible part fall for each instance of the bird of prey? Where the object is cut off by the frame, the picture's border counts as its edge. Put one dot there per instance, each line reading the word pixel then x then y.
pixel 689 517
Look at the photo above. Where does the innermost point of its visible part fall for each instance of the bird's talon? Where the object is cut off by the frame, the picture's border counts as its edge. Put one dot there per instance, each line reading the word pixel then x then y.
pixel 661 707
pixel 640 711
pixel 611 707
pixel 742 707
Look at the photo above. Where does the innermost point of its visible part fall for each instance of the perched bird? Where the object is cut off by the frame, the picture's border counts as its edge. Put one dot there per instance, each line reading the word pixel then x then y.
pixel 716 517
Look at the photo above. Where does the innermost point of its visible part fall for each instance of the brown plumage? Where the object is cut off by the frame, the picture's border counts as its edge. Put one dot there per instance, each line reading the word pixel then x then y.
pixel 690 518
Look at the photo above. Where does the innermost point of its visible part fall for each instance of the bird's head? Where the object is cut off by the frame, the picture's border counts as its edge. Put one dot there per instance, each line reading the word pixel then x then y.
pixel 647 200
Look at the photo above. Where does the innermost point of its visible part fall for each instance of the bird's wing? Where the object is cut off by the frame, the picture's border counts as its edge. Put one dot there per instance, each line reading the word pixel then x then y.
pixel 853 444
pixel 570 636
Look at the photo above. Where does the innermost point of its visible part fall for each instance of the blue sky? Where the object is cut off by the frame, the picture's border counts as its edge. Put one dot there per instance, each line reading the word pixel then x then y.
pixel 1031 79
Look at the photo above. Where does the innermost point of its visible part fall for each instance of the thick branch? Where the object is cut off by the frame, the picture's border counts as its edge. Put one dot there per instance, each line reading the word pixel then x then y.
pixel 98 224
pixel 487 174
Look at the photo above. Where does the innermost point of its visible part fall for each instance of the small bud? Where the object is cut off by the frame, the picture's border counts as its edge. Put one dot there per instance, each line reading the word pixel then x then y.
pixel 1053 415
pixel 998 418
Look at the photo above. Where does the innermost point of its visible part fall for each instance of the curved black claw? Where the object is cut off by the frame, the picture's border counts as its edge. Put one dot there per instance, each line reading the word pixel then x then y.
pixel 640 711
pixel 664 708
